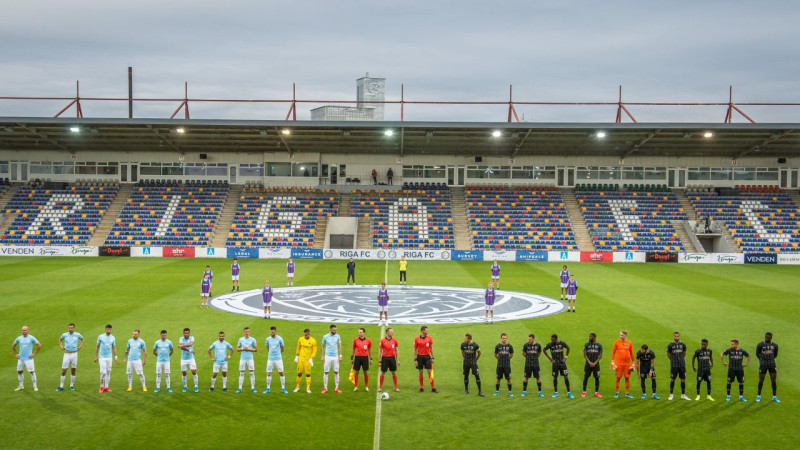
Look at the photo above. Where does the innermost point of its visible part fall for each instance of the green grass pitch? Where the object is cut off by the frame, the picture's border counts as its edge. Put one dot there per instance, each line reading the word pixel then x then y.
pixel 650 300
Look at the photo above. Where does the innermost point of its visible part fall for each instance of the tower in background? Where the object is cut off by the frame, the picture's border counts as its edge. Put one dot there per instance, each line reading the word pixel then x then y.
pixel 370 92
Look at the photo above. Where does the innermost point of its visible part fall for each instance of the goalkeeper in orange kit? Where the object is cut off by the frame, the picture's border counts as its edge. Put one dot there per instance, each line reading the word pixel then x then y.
pixel 623 362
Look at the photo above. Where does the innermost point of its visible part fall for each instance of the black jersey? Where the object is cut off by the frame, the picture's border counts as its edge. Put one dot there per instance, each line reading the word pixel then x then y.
pixel 766 354
pixel 470 352
pixel 593 351
pixel 645 358
pixel 503 353
pixel 735 358
pixel 677 355
pixel 532 353
pixel 704 359
pixel 557 350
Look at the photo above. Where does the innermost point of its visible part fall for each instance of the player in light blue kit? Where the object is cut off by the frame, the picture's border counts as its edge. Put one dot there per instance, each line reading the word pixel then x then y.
pixel 162 350
pixel 25 356
pixel 186 344
pixel 136 358
pixel 247 345
pixel 70 343
pixel 275 348
pixel 220 358
pixel 331 357
pixel 106 346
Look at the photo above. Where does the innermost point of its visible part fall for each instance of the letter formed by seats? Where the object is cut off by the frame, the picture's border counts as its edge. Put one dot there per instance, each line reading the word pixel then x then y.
pixel 404 211
pixel 57 208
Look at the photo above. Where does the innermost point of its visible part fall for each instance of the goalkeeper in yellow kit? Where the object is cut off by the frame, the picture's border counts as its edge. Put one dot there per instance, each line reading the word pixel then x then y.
pixel 304 357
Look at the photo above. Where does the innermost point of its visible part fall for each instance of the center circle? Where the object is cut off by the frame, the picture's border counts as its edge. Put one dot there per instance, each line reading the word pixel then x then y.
pixel 408 305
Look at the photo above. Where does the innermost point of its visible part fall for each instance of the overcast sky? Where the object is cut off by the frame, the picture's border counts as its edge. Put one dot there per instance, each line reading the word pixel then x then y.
pixel 565 51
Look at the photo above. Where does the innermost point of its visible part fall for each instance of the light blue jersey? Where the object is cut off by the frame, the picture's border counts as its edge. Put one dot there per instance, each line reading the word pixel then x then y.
pixel 220 351
pixel 251 342
pixel 25 346
pixel 187 355
pixel 164 346
pixel 331 343
pixel 135 349
pixel 274 345
pixel 107 343
pixel 71 341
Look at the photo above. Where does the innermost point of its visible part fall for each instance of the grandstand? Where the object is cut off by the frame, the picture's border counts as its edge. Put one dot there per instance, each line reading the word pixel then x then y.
pixel 518 218
pixel 56 216
pixel 169 213
pixel 280 217
pixel 633 218
pixel 419 216
pixel 760 218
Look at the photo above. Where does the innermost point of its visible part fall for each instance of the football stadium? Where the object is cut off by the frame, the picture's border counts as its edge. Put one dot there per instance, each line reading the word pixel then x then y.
pixel 382 280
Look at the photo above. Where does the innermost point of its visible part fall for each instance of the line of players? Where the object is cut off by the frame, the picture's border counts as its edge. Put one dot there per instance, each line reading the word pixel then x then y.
pixel 623 361
pixel 623 364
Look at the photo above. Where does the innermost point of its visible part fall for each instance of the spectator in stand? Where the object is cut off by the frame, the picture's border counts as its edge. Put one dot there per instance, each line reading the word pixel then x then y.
pixel 389 175
pixel 374 176
pixel 708 224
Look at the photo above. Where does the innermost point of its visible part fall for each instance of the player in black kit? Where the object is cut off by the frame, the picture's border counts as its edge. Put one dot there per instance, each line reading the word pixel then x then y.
pixel 503 352
pixel 531 351
pixel 592 353
pixel 766 352
pixel 676 352
pixel 471 352
pixel 645 356
pixel 705 362
pixel 735 367
pixel 559 361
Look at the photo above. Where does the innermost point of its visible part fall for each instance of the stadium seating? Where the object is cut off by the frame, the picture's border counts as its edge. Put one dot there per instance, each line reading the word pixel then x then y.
pixel 410 219
pixel 520 218
pixel 637 219
pixel 168 213
pixel 280 218
pixel 760 221
pixel 56 216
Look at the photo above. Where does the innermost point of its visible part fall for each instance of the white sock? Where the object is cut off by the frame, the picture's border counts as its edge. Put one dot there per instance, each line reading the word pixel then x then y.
pixel 71 380
pixel 213 382
pixel 194 376
pixel 269 380
pixel 283 382
pixel 130 380
pixel 141 378
pixel 183 378
pixel 241 379
pixel 166 375
pixel 252 380
pixel 325 380
pixel 336 378
pixel 33 379
pixel 62 381
pixel 21 378
pixel 224 382
pixel 158 380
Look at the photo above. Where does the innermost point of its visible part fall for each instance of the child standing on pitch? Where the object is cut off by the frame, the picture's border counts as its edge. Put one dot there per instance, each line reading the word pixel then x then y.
pixel 572 292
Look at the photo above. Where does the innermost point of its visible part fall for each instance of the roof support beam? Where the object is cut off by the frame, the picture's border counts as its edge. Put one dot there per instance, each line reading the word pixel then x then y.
pixel 521 143
pixel 766 142
pixel 402 141
pixel 164 138
pixel 42 135
pixel 641 142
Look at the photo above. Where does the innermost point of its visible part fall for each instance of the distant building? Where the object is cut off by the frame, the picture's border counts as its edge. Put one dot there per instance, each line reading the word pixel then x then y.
pixel 368 90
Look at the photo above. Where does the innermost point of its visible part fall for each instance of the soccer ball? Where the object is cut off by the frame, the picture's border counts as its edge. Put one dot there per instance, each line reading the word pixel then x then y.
pixel 385 396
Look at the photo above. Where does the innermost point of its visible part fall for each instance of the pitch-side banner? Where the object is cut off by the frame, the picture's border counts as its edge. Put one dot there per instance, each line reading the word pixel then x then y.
pixel 564 256
pixel 727 258
pixel 422 255
pixel 760 258
pixel 789 258
pixel 492 255
pixel 694 258
pixel 274 253
pixel 242 252
pixel 177 252
pixel 146 252
pixel 629 257
pixel 597 257
pixel 531 255
pixel 50 250
pixel 466 255
pixel 210 252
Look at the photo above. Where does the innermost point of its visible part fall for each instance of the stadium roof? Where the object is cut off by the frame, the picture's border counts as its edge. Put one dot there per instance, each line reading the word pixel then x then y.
pixel 409 138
